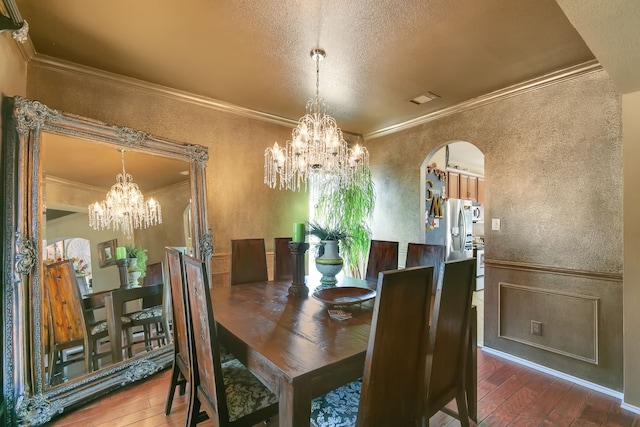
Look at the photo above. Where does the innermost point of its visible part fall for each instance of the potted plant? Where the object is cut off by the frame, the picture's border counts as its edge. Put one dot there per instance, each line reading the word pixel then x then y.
pixel 329 262
pixel 137 257
pixel 351 206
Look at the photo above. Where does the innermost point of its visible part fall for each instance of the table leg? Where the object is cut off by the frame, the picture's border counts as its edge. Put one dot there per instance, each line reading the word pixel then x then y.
pixel 295 405
pixel 472 367
pixel 114 325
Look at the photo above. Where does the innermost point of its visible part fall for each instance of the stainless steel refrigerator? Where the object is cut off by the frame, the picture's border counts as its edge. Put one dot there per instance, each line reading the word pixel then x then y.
pixel 458 225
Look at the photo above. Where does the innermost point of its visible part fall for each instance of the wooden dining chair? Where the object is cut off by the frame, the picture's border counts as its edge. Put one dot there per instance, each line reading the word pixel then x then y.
pixel 449 341
pixel 282 259
pixel 424 254
pixel 71 320
pixel 180 373
pixel 248 261
pixel 67 320
pixel 383 256
pixel 120 297
pixel 227 393
pixel 391 392
pixel 152 316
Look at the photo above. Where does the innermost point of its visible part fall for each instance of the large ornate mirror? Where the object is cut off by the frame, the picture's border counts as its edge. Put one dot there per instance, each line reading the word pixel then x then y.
pixel 55 166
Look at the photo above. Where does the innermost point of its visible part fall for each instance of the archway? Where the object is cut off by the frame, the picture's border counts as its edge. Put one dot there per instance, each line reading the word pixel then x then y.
pixel 452 178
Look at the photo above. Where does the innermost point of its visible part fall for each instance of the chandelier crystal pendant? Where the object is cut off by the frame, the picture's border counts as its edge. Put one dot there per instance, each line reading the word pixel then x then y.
pixel 317 148
pixel 124 208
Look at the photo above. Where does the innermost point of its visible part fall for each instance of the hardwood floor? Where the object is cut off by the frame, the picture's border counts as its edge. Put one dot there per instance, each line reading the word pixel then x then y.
pixel 508 395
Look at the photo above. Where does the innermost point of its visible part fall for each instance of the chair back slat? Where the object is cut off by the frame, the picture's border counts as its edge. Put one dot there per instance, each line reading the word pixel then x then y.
pixel 393 380
pixel 424 254
pixel 180 336
pixel 154 275
pixel 206 369
pixel 383 256
pixel 282 259
pixel 248 261
pixel 448 340
pixel 65 303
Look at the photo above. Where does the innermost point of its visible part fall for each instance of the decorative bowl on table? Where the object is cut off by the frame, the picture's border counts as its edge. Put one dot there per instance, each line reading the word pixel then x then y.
pixel 344 295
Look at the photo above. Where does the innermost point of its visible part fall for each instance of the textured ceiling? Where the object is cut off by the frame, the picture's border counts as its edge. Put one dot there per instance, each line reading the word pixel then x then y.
pixel 255 54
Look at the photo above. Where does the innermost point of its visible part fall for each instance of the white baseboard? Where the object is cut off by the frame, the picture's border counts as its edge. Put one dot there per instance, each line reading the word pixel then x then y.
pixel 630 408
pixel 558 374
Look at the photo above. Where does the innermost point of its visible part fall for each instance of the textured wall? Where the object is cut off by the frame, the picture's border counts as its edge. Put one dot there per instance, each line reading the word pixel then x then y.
pixel 239 204
pixel 631 131
pixel 553 160
pixel 552 174
pixel 13 68
pixel 173 201
pixel 13 71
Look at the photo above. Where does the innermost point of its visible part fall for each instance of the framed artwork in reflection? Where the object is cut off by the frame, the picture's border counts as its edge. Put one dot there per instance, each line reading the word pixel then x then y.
pixel 107 253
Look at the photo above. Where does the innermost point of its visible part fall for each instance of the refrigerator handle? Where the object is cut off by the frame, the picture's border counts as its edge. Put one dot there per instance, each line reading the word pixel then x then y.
pixel 463 236
pixel 463 226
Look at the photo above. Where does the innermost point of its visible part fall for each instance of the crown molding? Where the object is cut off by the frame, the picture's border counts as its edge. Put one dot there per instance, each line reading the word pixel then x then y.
pixel 59 65
pixel 8 7
pixel 498 95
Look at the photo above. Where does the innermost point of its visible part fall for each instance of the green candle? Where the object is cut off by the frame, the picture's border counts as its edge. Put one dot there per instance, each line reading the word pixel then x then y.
pixel 298 232
pixel 121 252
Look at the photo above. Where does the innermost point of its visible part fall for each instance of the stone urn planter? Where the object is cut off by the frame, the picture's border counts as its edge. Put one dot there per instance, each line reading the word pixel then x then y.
pixel 329 263
pixel 133 273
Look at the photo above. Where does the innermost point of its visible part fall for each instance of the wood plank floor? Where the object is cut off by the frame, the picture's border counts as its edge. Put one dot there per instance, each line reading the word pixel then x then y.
pixel 508 395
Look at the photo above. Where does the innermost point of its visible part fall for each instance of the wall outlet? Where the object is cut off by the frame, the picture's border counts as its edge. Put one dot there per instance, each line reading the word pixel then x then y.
pixel 536 327
pixel 495 224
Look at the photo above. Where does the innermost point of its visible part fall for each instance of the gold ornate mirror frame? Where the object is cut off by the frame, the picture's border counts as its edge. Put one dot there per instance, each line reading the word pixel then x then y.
pixel 27 400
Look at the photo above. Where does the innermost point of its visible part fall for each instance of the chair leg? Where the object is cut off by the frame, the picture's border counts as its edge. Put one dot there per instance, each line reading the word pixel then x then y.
pixel 53 365
pixel 130 342
pixel 147 337
pixel 175 372
pixel 461 401
pixel 182 382
pixel 194 408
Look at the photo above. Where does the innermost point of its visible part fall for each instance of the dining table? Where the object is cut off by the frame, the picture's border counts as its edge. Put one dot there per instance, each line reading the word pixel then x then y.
pixel 112 301
pixel 294 347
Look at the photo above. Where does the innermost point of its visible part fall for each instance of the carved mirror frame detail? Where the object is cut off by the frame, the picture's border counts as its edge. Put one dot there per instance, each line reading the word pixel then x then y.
pixel 27 402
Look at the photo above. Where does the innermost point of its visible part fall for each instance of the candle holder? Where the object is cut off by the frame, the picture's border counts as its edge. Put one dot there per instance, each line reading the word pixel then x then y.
pixel 298 288
pixel 123 266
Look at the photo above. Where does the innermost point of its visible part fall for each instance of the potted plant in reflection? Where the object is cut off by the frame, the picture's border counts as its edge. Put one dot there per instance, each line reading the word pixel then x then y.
pixel 137 257
pixel 328 259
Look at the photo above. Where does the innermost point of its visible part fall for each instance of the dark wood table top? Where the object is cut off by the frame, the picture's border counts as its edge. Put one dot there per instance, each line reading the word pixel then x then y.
pixel 295 334
pixel 291 343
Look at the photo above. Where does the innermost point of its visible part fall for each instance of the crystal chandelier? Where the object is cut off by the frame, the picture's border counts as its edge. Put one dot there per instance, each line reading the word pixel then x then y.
pixel 317 148
pixel 124 208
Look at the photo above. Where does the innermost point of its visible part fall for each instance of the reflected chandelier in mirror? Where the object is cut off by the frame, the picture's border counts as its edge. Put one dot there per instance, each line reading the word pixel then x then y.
pixel 28 400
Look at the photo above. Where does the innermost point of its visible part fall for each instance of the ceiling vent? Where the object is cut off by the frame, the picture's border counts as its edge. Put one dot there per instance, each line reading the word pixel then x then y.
pixel 429 96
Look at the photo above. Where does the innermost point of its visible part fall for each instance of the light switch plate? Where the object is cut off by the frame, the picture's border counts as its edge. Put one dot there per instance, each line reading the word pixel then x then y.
pixel 495 224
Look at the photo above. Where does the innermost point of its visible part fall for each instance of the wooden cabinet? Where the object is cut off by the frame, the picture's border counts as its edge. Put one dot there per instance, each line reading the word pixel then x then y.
pixel 473 188
pixel 453 185
pixel 464 186
pixel 481 191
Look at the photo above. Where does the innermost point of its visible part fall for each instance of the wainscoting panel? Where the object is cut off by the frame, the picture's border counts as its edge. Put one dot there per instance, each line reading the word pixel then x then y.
pixel 580 314
pixel 567 323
